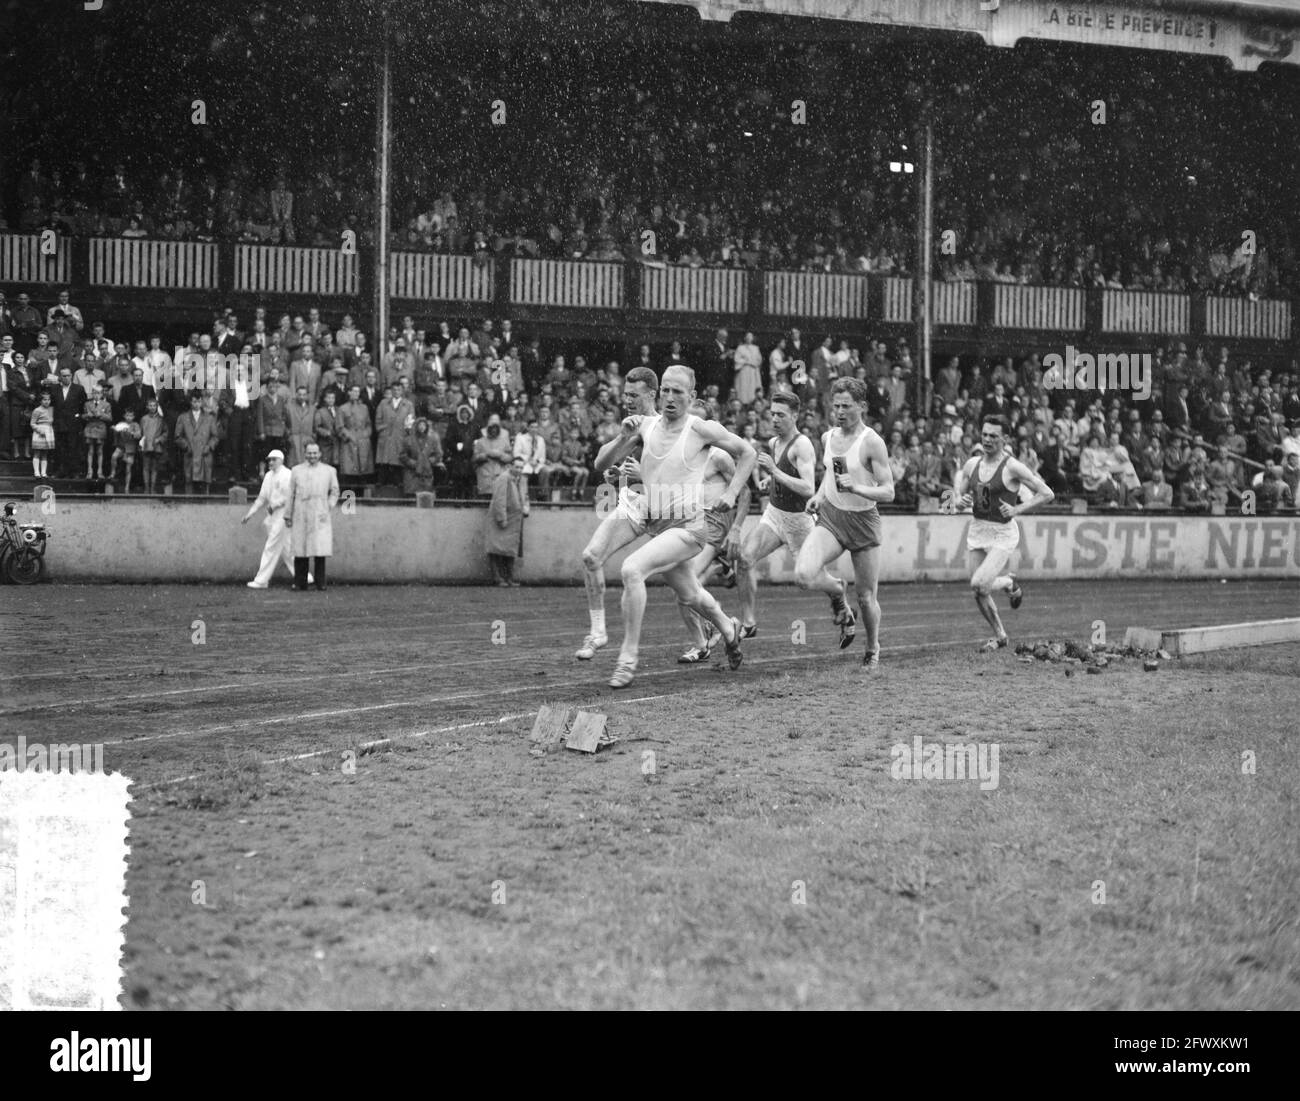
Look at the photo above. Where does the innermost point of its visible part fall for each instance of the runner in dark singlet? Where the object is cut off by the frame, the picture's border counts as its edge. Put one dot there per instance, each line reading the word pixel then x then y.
pixel 990 484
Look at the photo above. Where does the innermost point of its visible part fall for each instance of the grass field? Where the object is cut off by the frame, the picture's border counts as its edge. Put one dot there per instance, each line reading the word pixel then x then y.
pixel 769 859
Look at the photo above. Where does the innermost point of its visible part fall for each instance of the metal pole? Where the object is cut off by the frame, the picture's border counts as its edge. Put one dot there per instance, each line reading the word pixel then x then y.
pixel 383 123
pixel 922 308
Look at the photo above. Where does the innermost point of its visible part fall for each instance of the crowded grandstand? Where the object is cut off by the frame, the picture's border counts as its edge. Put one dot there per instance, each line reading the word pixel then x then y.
pixel 649 146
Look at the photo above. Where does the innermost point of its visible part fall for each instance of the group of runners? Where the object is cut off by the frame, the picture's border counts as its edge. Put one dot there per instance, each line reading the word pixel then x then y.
pixel 685 487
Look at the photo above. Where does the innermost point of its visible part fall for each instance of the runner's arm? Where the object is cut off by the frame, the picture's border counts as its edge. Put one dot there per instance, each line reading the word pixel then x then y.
pixel 1042 491
pixel 713 433
pixel 962 480
pixel 621 446
pixel 815 501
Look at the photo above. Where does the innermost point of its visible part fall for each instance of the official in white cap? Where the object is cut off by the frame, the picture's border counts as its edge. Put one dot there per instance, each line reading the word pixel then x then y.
pixel 274 497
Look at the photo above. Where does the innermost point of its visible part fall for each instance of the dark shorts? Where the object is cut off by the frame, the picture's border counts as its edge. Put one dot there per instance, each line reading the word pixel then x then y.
pixel 717 526
pixel 854 531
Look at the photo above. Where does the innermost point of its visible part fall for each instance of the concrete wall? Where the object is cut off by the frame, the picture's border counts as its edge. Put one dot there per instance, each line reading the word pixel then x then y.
pixel 163 540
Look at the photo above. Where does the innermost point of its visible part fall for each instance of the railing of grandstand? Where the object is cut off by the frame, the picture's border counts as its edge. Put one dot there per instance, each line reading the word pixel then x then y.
pixel 1059 309
pixel 1241 317
pixel 694 290
pixel 950 303
pixel 49 259
pixel 799 294
pixel 1146 312
pixel 897 299
pixel 445 278
pixel 280 270
pixel 178 265
pixel 567 283
pixel 23 261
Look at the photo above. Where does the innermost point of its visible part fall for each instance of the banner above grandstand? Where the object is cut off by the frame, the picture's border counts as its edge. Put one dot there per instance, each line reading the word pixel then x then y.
pixel 1248 32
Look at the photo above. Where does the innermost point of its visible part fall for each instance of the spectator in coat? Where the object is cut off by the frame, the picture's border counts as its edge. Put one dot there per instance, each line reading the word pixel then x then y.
pixel 421 459
pixel 325 428
pixel 302 416
pixel 272 423
pixel 68 400
pixel 313 492
pixel 356 458
pixel 196 438
pixel 392 418
pixel 505 523
pixel 492 455
pixel 458 448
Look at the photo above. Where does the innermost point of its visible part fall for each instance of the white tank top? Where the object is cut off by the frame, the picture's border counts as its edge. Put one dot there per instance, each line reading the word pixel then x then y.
pixel 673 475
pixel 836 446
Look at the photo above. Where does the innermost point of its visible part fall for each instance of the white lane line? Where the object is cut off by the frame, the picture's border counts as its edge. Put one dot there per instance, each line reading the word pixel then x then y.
pixel 379 673
pixel 594 684
pixel 543 613
pixel 887 627
pixel 387 741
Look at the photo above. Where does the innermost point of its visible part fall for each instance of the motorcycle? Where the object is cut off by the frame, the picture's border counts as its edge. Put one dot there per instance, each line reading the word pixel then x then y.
pixel 22 549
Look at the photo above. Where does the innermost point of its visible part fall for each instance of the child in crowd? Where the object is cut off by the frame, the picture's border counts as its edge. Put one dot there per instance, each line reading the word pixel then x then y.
pixel 98 415
pixel 127 435
pixel 153 442
pixel 42 423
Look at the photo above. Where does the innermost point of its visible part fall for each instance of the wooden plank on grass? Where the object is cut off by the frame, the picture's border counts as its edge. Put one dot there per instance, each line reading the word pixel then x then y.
pixel 551 724
pixel 587 732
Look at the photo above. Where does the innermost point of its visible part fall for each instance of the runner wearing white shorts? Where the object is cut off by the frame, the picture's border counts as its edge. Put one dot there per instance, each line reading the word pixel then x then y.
pixel 674 452
pixel 626 522
pixel 790 464
pixel 989 484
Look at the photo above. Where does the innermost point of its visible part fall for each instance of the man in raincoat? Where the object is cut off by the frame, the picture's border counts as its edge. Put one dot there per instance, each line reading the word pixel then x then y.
pixel 313 491
pixel 505 528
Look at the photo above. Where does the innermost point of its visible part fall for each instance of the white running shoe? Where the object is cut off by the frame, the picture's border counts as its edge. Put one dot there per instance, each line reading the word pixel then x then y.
pixel 590 645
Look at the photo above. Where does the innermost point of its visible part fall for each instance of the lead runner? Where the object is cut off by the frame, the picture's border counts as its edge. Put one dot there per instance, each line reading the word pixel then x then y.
pixel 857 479
pixel 674 457
pixel 994 479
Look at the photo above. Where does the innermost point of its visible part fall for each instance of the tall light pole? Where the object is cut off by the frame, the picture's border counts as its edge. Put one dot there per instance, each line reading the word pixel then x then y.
pixel 383 124
pixel 922 307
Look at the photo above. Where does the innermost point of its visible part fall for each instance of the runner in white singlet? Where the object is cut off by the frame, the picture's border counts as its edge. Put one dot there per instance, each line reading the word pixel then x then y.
pixel 857 478
pixel 674 456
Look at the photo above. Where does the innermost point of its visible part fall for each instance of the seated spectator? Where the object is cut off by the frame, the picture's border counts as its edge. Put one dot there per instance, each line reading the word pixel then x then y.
pixel 1194 494
pixel 1095 469
pixel 1156 493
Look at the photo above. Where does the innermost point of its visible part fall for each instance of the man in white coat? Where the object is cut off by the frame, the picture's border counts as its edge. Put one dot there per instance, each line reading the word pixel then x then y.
pixel 313 491
pixel 274 497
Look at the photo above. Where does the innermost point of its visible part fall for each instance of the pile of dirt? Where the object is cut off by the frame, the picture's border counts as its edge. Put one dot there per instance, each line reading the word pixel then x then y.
pixel 1093 658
